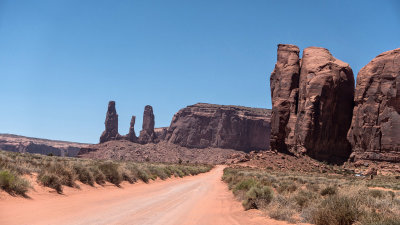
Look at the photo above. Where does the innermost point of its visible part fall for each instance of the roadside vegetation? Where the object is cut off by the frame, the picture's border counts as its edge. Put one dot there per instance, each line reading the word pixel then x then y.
pixel 56 172
pixel 321 199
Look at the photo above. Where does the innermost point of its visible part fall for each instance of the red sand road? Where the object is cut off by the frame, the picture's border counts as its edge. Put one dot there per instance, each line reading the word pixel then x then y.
pixel 202 199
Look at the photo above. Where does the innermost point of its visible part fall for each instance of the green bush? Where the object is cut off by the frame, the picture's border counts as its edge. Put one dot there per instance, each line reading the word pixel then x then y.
pixel 258 197
pixel 158 172
pixel 84 174
pixel 51 180
pixel 143 175
pixel 63 171
pixel 128 176
pixel 13 184
pixel 98 176
pixel 337 210
pixel 245 184
pixel 286 187
pixel 111 172
pixel 302 198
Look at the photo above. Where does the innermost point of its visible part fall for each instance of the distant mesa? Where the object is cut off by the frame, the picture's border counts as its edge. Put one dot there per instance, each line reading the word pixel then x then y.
pixel 16 143
pixel 200 126
pixel 222 126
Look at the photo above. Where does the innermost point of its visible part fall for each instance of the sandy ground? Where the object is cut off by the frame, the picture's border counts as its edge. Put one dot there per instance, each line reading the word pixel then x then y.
pixel 202 199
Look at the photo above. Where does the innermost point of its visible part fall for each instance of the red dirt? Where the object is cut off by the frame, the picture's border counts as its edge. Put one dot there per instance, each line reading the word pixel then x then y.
pixel 201 199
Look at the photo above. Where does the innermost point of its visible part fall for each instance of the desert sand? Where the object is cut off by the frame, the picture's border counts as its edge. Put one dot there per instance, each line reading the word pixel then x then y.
pixel 201 199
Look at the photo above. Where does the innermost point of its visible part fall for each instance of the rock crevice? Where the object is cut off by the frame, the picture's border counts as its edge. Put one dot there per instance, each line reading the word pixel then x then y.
pixel 312 102
pixel 375 130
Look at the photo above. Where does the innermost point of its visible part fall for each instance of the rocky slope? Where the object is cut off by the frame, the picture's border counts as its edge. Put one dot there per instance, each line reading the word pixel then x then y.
pixel 15 143
pixel 312 103
pixel 158 152
pixel 220 126
pixel 375 128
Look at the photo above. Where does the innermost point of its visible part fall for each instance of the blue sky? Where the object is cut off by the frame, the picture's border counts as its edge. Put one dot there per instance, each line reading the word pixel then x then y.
pixel 61 61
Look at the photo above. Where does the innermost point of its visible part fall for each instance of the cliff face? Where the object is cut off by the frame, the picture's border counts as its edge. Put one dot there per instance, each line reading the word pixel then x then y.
pixel 206 125
pixel 312 103
pixel 15 143
pixel 326 92
pixel 375 128
pixel 284 83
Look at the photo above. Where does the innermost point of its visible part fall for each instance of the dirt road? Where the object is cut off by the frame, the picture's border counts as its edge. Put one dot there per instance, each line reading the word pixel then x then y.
pixel 202 199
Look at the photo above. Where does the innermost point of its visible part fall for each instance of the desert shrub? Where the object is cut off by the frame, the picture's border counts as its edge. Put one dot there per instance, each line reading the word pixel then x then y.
pixel 157 171
pixel 330 190
pixel 178 172
pixel 245 185
pixel 13 184
pixel 128 176
pixel 98 176
pixel 169 171
pixel 51 180
pixel 312 187
pixel 84 175
pixel 257 197
pixel 336 210
pixel 303 198
pixel 111 172
pixel 281 213
pixel 286 187
pixel 379 219
pixel 65 174
pixel 143 175
pixel 376 193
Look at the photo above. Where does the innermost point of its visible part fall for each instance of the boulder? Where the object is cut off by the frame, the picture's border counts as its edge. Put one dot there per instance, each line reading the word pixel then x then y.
pixel 111 124
pixel 375 130
pixel 147 134
pixel 284 83
pixel 206 125
pixel 325 106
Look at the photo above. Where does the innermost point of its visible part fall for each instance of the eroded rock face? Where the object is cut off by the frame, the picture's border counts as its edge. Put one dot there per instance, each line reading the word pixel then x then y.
pixel 312 102
pixel 375 128
pixel 161 133
pixel 16 143
pixel 206 125
pixel 326 91
pixel 131 136
pixel 284 83
pixel 111 124
pixel 147 133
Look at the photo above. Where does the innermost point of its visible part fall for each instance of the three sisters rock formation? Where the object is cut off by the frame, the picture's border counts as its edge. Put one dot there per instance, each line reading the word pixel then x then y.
pixel 316 111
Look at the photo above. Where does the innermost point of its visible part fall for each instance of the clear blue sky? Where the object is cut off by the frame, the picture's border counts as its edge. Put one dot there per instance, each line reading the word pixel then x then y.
pixel 61 61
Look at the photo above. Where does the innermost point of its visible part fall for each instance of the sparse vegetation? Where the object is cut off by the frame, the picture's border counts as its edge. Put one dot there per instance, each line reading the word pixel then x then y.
pixel 12 183
pixel 321 199
pixel 56 172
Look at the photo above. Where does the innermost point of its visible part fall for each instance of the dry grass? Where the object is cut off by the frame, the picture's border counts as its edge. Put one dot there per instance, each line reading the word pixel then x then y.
pixel 322 199
pixel 56 172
